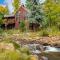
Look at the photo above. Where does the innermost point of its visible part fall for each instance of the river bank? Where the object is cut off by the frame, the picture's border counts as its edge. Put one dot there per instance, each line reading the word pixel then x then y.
pixel 28 39
pixel 52 40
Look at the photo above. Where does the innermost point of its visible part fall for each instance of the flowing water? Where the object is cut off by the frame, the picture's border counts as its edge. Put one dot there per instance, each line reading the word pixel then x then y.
pixel 52 53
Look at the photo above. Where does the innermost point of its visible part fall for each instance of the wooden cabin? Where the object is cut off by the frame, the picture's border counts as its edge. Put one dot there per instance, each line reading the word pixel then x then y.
pixel 14 20
pixel 21 14
pixel 9 21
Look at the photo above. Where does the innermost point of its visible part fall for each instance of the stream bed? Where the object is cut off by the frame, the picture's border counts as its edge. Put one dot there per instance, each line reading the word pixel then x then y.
pixel 51 52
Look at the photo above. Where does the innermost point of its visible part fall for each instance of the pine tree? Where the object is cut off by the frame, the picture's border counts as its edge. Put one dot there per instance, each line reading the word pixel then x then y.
pixel 36 11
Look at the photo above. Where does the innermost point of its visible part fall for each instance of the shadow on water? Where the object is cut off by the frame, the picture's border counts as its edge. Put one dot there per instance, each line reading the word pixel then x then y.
pixel 52 55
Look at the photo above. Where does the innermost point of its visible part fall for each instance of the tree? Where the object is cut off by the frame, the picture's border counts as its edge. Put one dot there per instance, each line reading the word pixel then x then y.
pixel 36 12
pixel 16 5
pixel 7 10
pixel 52 12
pixel 3 10
pixel 1 18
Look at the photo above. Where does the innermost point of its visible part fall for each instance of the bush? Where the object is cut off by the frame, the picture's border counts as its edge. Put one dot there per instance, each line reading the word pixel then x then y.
pixel 54 31
pixel 16 54
pixel 22 26
pixel 10 55
pixel 1 18
pixel 44 33
pixel 25 50
pixel 1 31
pixel 25 57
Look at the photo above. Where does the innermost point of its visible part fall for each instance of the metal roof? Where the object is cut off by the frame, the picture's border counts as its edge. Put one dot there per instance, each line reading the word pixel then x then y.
pixel 12 15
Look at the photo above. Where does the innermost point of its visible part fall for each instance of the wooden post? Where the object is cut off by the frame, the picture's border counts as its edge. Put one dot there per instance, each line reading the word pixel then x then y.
pixel 6 23
pixel 27 25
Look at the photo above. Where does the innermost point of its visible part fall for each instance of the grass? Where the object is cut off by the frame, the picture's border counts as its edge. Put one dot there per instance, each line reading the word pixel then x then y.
pixel 17 54
pixel 9 55
pixel 23 53
pixel 53 31
pixel 16 45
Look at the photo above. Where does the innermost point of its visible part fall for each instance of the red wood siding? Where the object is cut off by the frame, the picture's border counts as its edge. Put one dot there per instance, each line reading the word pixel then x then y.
pixel 23 13
pixel 20 15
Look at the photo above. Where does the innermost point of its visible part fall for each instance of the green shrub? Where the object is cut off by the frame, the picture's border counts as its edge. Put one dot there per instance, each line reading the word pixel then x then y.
pixel 17 54
pixel 44 33
pixel 1 18
pixel 13 55
pixel 9 31
pixel 54 31
pixel 22 26
pixel 1 31
pixel 25 50
pixel 25 57
pixel 10 55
